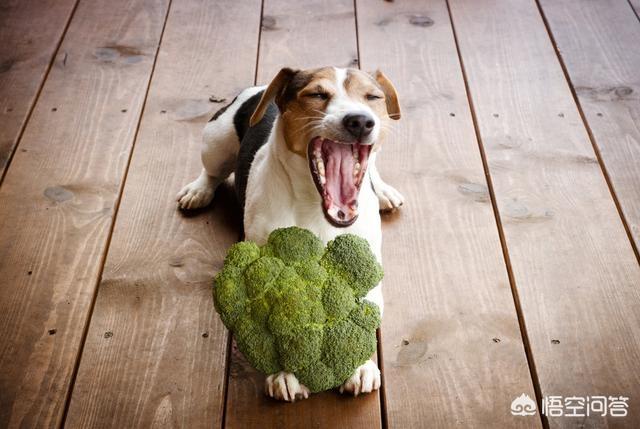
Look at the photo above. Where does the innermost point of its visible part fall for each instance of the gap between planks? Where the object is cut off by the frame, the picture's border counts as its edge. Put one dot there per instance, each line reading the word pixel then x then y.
pixel 585 122
pixel 384 421
pixel 633 8
pixel 103 259
pixel 44 78
pixel 505 250
pixel 229 347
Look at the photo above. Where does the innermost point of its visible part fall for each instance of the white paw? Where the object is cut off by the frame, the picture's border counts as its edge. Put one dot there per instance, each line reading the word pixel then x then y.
pixel 388 196
pixel 365 379
pixel 196 194
pixel 284 386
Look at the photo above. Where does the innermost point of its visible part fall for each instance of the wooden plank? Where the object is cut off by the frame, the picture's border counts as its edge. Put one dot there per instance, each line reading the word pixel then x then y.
pixel 30 31
pixel 155 352
pixel 300 34
pixel 598 42
pixel 453 352
pixel 576 275
pixel 58 199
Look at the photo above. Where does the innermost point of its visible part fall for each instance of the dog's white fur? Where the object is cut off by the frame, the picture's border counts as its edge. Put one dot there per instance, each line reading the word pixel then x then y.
pixel 281 192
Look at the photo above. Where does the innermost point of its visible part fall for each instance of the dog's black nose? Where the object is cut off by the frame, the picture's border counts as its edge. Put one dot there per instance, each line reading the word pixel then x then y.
pixel 358 125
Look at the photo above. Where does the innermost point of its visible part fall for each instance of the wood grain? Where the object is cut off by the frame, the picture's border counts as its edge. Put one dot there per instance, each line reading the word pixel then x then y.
pixel 155 352
pixel 576 274
pixel 30 31
pixel 299 34
pixel 306 34
pixel 58 199
pixel 453 352
pixel 599 45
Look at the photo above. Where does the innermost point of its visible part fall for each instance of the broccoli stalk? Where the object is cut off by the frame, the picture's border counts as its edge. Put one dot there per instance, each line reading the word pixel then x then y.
pixel 294 305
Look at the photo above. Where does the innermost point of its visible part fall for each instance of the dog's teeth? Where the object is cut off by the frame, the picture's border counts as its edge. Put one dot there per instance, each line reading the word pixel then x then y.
pixel 320 167
pixel 354 150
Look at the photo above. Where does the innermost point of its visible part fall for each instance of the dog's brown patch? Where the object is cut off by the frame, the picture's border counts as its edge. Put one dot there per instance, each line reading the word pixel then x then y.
pixel 300 108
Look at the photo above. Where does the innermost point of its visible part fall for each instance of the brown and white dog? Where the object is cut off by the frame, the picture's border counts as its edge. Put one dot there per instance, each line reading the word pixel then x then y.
pixel 303 151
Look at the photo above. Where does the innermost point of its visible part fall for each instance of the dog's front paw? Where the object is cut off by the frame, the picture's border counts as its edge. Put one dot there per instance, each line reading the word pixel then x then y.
pixel 365 379
pixel 284 386
pixel 196 194
pixel 388 197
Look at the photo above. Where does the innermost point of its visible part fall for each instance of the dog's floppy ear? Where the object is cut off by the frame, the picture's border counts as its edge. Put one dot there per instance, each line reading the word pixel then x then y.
pixel 390 95
pixel 274 91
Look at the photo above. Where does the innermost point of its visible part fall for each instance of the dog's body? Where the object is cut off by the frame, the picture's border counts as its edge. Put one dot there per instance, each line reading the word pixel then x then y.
pixel 272 156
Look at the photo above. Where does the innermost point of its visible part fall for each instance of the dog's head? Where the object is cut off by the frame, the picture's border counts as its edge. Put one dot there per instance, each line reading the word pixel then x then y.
pixel 335 118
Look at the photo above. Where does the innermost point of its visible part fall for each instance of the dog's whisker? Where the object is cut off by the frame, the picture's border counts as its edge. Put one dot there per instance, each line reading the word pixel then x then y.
pixel 302 118
pixel 311 124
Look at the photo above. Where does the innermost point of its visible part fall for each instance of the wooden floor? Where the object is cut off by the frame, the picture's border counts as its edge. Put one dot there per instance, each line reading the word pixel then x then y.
pixel 512 268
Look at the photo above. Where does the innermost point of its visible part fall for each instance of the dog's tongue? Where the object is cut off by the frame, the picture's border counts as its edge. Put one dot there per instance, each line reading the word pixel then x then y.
pixel 341 193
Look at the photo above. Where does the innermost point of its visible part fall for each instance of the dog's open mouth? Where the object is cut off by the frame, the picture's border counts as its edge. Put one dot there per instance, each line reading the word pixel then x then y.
pixel 337 170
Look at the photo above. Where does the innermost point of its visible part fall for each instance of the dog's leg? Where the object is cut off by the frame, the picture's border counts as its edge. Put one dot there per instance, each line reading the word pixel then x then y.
pixel 220 148
pixel 365 379
pixel 388 196
pixel 284 386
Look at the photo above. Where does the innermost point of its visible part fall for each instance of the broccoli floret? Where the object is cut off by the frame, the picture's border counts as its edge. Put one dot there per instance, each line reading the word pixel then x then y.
pixel 346 347
pixel 303 347
pixel 260 275
pixel 257 344
pixel 241 254
pixel 293 245
pixel 350 258
pixel 320 376
pixel 230 296
pixel 366 315
pixel 338 298
pixel 294 305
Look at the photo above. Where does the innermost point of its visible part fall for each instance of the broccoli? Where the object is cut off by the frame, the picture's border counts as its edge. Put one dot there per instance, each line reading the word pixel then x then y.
pixel 294 305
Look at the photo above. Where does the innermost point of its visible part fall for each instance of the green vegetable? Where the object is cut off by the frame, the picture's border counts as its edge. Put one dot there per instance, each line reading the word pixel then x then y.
pixel 298 307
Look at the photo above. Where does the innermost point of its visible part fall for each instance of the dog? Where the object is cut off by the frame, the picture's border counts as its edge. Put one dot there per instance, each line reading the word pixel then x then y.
pixel 303 150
